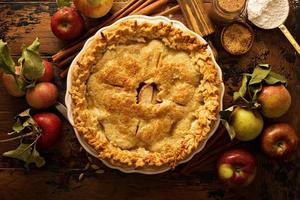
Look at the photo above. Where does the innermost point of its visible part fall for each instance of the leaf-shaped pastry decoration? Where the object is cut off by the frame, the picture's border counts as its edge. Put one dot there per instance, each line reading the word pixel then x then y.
pixel 6 61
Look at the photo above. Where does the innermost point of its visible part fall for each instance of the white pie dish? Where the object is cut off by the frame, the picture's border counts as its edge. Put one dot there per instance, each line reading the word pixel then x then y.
pixel 68 100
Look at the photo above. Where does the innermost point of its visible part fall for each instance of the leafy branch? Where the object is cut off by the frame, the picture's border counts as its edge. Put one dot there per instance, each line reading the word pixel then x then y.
pixel 31 64
pixel 248 93
pixel 25 127
pixel 253 83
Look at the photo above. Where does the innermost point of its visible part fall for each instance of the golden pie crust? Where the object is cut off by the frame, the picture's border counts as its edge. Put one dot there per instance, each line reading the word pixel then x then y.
pixel 145 95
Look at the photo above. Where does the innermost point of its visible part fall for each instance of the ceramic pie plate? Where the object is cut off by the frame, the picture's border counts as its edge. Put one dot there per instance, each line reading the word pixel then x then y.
pixel 68 100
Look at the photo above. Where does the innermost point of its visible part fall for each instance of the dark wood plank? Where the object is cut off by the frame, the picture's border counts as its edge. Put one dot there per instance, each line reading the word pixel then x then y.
pixel 21 23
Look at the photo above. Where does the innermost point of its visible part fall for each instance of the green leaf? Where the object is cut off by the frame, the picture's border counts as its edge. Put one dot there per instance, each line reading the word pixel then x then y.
pixel 24 120
pixel 34 46
pixel 274 78
pixel 243 89
pixel 35 158
pixel 18 126
pixel 6 61
pixel 19 153
pixel 31 62
pixel 266 66
pixel 225 116
pixel 62 3
pixel 255 89
pixel 26 153
pixel 260 73
pixel 32 65
pixel 230 129
pixel 25 113
pixel 20 82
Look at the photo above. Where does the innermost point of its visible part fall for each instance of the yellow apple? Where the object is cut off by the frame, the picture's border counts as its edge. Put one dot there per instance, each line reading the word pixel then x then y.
pixel 247 123
pixel 93 8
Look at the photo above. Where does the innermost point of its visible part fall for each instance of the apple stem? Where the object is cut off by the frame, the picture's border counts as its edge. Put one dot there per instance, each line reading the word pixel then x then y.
pixel 279 144
pixel 33 143
pixel 237 169
pixel 18 137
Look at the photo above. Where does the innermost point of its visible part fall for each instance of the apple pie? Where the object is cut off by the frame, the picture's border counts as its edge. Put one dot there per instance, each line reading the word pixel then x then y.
pixel 144 94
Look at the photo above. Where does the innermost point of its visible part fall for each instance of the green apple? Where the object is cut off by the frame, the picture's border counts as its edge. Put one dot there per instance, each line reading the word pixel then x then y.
pixel 247 124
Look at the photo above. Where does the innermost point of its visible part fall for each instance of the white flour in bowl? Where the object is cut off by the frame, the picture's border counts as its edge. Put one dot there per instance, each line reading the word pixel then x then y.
pixel 267 14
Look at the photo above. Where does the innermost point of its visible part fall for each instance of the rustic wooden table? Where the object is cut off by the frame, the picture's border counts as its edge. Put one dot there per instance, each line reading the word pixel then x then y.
pixel 22 21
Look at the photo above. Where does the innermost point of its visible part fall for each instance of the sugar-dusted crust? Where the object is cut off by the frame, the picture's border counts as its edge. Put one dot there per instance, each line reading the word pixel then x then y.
pixel 110 83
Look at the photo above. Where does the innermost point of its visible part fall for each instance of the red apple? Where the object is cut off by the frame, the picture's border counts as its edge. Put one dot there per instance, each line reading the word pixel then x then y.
pixel 43 95
pixel 237 167
pixel 67 24
pixel 10 84
pixel 279 140
pixel 51 129
pixel 93 8
pixel 48 72
pixel 275 100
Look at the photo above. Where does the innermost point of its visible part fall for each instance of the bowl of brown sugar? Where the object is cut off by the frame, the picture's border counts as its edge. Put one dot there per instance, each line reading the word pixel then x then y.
pixel 237 38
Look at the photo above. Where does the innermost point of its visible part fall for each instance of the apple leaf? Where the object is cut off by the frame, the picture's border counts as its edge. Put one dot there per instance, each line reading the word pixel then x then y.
pixel 6 61
pixel 23 121
pixel 32 66
pixel 225 116
pixel 26 153
pixel 34 46
pixel 24 127
pixel 62 3
pixel 35 158
pixel 31 62
pixel 274 78
pixel 260 73
pixel 20 82
pixel 255 89
pixel 18 126
pixel 243 89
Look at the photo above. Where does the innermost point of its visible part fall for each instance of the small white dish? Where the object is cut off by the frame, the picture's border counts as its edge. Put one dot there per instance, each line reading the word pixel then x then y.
pixel 68 100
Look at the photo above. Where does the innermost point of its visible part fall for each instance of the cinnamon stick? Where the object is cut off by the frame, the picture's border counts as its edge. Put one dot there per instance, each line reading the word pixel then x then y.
pixel 67 61
pixel 131 10
pixel 150 8
pixel 64 73
pixel 168 11
pixel 146 3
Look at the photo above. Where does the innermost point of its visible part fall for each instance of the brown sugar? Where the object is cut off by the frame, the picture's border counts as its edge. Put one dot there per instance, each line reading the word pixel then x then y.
pixel 231 5
pixel 237 38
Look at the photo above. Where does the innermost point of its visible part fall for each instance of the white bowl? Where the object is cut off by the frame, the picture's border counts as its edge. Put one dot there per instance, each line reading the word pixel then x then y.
pixel 68 100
